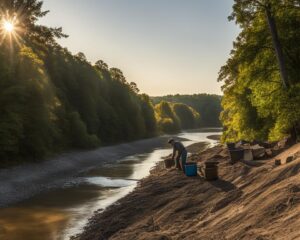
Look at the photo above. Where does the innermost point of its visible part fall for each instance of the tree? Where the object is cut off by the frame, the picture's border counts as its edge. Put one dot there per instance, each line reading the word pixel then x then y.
pixel 51 100
pixel 101 65
pixel 188 117
pixel 245 12
pixel 148 113
pixel 27 13
pixel 256 103
pixel 118 75
pixel 167 120
pixel 133 87
pixel 81 57
pixel 208 106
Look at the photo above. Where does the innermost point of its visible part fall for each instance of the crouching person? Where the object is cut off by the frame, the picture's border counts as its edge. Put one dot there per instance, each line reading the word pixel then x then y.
pixel 179 154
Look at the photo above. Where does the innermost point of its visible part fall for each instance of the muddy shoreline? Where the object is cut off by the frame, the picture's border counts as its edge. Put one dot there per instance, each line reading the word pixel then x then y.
pixel 120 214
pixel 245 203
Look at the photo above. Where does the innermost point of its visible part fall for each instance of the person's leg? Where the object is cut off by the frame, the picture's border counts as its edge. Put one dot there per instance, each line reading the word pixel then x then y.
pixel 183 160
pixel 177 163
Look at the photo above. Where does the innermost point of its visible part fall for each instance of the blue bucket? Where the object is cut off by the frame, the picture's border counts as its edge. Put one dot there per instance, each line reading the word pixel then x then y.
pixel 191 169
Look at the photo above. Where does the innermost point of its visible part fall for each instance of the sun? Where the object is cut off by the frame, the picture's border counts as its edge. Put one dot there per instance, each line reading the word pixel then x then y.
pixel 8 26
pixel 10 30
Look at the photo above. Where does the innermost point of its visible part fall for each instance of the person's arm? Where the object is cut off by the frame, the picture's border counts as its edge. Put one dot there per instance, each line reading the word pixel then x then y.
pixel 174 153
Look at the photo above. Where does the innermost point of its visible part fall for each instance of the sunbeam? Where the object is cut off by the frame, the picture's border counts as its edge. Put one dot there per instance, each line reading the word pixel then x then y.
pixel 9 29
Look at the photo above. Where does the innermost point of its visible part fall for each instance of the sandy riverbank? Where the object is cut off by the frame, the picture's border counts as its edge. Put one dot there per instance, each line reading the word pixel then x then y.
pixel 261 202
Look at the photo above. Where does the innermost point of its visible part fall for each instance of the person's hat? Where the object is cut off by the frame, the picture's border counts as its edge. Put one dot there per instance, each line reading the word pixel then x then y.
pixel 170 140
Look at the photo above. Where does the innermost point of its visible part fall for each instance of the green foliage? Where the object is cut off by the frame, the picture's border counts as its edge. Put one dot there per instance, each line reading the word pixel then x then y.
pixel 79 135
pixel 27 13
pixel 167 120
pixel 27 104
pixel 171 117
pixel 208 106
pixel 147 109
pixel 51 100
pixel 256 103
pixel 188 117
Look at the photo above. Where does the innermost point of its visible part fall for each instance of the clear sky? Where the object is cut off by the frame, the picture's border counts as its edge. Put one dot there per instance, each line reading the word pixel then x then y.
pixel 165 46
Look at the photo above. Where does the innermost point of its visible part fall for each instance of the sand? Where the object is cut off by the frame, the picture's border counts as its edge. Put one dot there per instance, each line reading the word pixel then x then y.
pixel 247 202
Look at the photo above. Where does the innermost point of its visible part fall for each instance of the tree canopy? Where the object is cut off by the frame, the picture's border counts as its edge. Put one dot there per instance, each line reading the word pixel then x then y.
pixel 261 78
pixel 208 106
pixel 51 100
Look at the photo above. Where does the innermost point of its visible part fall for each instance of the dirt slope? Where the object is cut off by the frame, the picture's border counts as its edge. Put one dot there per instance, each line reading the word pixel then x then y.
pixel 261 202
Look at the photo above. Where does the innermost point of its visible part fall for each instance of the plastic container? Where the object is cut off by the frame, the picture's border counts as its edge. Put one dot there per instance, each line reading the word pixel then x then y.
pixel 211 173
pixel 191 169
pixel 236 155
pixel 211 170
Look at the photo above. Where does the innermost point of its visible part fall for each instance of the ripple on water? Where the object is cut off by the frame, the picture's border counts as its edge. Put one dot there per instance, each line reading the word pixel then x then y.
pixel 109 182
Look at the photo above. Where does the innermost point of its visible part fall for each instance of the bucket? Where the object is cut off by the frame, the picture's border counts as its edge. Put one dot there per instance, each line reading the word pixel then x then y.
pixel 230 146
pixel 211 173
pixel 191 169
pixel 211 164
pixel 236 155
pixel 169 163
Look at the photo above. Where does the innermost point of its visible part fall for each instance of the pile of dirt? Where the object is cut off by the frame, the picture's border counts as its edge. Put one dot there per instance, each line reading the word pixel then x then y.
pixel 247 202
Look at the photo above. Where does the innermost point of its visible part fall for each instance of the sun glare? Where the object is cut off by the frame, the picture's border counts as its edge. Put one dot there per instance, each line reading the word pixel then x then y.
pixel 8 26
pixel 9 30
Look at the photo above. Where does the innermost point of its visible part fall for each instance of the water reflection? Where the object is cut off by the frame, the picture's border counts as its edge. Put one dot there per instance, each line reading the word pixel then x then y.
pixel 61 213
pixel 109 182
pixel 32 223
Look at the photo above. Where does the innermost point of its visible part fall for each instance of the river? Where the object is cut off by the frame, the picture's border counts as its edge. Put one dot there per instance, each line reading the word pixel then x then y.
pixel 63 211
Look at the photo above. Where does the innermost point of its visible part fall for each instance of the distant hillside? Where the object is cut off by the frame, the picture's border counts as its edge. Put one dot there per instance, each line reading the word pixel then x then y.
pixel 207 105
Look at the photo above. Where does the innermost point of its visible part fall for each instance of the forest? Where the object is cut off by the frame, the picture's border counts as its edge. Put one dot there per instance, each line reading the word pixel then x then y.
pixel 208 106
pixel 261 82
pixel 52 101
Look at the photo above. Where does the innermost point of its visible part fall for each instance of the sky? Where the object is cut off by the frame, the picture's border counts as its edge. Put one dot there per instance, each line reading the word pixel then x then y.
pixel 165 46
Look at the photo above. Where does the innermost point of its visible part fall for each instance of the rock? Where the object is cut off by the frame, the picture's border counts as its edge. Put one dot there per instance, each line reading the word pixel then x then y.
pixel 282 143
pixel 289 159
pixel 269 153
pixel 296 155
pixel 268 144
pixel 277 162
pixel 248 156
pixel 258 151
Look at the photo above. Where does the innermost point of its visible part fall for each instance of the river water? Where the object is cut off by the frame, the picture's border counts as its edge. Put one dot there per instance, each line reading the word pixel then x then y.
pixel 63 212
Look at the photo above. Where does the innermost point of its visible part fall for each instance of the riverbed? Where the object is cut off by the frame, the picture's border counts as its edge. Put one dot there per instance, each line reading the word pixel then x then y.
pixel 63 210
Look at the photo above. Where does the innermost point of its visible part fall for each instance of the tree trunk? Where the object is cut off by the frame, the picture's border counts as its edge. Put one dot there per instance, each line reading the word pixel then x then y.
pixel 278 48
pixel 280 58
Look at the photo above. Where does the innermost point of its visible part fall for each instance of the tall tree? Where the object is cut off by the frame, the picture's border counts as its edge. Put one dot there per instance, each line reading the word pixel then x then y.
pixel 27 13
pixel 245 12
pixel 261 77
